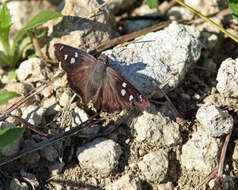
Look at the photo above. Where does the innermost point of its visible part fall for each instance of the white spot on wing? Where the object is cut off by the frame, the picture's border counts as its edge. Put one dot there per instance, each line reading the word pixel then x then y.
pixel 65 56
pixel 140 98
pixel 123 92
pixel 62 47
pixel 124 84
pixel 131 98
pixel 76 54
pixel 72 60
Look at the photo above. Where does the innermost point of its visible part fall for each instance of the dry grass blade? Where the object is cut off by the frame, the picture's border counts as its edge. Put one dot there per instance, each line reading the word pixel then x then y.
pixel 28 125
pixel 28 96
pixel 223 153
pixel 217 172
pixel 74 131
pixel 207 179
pixel 125 38
pixel 38 49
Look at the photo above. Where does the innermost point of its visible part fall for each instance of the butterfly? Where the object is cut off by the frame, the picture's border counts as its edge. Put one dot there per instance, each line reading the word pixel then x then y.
pixel 95 82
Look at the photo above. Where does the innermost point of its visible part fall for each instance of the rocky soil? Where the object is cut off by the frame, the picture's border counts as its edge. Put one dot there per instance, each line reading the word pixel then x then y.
pixel 172 145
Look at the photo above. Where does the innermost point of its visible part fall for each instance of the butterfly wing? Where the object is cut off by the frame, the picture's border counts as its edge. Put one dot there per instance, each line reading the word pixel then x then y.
pixel 94 82
pixel 119 93
pixel 80 68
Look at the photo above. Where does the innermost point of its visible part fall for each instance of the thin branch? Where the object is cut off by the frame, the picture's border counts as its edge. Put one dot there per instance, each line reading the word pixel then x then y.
pixel 28 96
pixel 207 179
pixel 223 154
pixel 28 125
pixel 125 38
pixel 69 133
pixel 38 49
pixel 217 172
pixel 45 143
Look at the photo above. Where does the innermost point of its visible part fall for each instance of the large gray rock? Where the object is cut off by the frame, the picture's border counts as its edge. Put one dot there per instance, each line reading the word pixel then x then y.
pixel 32 70
pixel 154 128
pixel 100 155
pixel 155 56
pixel 154 166
pixel 128 182
pixel 83 25
pixel 217 122
pixel 201 152
pixel 227 75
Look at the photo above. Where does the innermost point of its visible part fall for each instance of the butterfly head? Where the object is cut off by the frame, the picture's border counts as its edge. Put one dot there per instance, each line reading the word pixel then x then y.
pixel 102 59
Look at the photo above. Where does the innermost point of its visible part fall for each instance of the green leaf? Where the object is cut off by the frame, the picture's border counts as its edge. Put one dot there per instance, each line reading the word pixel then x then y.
pixel 233 5
pixel 12 74
pixel 7 95
pixel 41 33
pixel 9 135
pixel 5 25
pixel 18 45
pixel 152 3
pixel 41 18
pixel 4 59
pixel 17 38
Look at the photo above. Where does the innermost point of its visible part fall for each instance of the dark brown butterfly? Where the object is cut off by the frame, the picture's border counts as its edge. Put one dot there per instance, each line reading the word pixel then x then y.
pixel 96 82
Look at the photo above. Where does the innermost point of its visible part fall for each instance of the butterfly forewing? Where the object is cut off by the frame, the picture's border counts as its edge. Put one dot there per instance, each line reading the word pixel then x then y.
pixel 79 67
pixel 73 58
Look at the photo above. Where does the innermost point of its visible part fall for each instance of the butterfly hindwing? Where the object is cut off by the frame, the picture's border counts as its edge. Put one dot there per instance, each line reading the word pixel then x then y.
pixel 126 94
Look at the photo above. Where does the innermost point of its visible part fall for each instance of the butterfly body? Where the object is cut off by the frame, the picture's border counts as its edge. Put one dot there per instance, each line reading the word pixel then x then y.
pixel 94 81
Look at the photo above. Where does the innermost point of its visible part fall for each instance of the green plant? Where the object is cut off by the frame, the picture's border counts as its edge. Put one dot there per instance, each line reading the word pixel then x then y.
pixel 9 135
pixel 233 5
pixel 209 20
pixel 13 52
pixel 152 3
pixel 7 95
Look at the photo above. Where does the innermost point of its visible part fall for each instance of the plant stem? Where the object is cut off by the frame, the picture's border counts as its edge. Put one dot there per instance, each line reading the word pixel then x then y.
pixel 208 20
